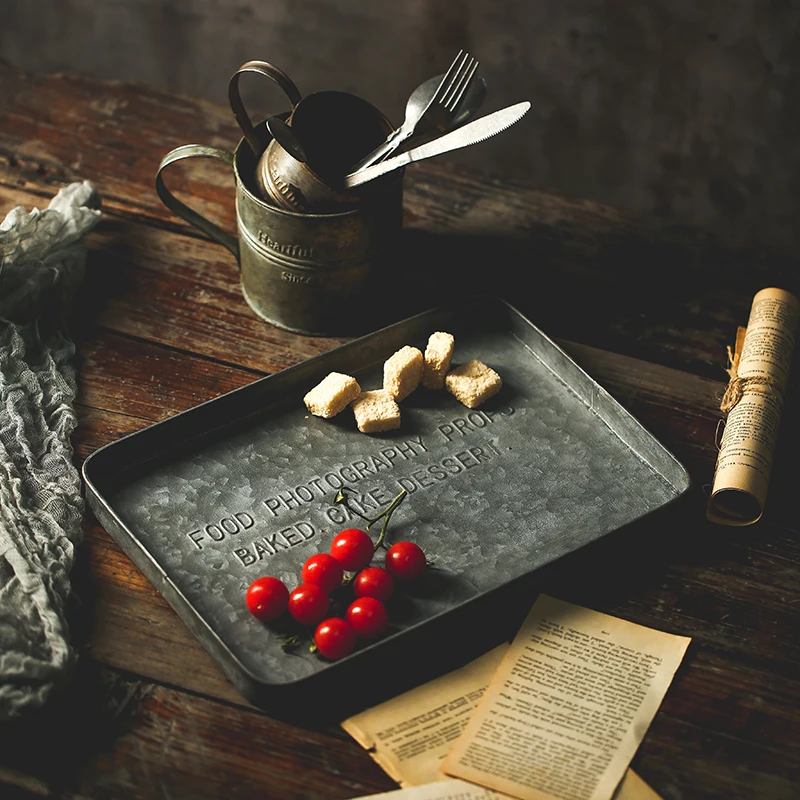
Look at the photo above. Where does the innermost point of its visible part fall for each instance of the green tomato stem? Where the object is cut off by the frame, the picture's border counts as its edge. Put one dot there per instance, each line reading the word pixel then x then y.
pixel 342 498
pixel 289 641
pixel 386 515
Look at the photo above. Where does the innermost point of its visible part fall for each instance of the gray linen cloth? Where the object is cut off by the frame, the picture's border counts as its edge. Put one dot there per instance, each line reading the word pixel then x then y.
pixel 42 258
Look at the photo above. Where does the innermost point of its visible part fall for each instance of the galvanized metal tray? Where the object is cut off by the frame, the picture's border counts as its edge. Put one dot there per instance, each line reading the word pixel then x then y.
pixel 243 485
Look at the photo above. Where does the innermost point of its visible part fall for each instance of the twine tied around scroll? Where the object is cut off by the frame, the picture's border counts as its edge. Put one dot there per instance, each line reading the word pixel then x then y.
pixel 738 385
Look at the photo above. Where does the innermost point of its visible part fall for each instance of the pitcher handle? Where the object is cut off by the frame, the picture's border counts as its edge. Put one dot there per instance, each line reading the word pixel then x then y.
pixel 237 106
pixel 180 208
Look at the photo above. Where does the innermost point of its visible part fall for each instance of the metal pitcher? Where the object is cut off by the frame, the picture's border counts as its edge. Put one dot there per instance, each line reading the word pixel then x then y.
pixel 310 273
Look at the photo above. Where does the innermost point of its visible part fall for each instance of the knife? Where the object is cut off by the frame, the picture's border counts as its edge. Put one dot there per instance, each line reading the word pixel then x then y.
pixel 471 133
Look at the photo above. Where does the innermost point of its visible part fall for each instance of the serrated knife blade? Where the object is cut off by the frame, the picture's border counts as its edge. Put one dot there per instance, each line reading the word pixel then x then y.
pixel 471 133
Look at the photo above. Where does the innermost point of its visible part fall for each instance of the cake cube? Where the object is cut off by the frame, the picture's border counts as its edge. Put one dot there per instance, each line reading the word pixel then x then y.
pixel 402 372
pixel 332 394
pixel 473 382
pixel 438 354
pixel 376 411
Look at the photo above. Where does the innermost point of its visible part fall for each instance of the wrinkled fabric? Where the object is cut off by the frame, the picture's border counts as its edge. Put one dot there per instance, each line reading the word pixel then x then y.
pixel 42 258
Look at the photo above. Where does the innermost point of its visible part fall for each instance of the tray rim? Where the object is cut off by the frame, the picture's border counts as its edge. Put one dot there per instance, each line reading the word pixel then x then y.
pixel 236 670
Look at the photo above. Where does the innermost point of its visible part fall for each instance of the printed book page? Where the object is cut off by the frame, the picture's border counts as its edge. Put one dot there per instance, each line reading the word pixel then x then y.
pixel 753 402
pixel 449 789
pixel 568 706
pixel 409 735
pixel 631 788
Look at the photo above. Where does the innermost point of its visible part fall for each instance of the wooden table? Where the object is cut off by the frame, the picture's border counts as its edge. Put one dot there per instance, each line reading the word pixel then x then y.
pixel 645 306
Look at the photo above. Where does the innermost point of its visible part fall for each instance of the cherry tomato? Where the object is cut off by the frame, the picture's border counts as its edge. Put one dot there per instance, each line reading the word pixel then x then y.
pixel 308 603
pixel 334 637
pixel 353 549
pixel 405 561
pixel 267 598
pixel 374 582
pixel 368 617
pixel 324 570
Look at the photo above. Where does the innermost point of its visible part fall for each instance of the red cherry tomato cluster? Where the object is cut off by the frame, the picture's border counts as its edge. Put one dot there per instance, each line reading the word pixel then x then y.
pixel 309 603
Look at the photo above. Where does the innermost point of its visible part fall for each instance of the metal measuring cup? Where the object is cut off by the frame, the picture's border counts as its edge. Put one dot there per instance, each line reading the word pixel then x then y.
pixel 310 273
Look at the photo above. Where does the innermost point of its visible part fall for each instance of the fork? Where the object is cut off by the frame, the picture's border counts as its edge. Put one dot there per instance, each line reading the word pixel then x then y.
pixel 450 91
pixel 448 94
pixel 428 109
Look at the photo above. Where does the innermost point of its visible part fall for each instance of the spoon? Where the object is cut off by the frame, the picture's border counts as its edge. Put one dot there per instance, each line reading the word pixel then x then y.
pixel 286 138
pixel 414 122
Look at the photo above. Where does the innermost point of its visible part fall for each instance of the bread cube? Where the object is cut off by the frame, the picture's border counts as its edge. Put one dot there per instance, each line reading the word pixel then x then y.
pixel 332 394
pixel 402 372
pixel 473 382
pixel 438 354
pixel 376 411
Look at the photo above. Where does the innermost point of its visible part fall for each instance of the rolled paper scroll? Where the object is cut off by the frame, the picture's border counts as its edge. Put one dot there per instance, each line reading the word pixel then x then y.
pixel 753 401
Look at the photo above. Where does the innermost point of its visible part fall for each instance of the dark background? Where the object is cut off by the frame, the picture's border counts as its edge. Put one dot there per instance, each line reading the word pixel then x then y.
pixel 681 108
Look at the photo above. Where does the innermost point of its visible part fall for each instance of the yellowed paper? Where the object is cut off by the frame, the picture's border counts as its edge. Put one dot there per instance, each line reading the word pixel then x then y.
pixel 631 788
pixel 568 705
pixel 634 788
pixel 409 735
pixel 449 789
pixel 759 377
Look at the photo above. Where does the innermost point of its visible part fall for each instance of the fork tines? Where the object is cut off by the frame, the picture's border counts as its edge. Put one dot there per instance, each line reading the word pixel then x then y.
pixel 456 80
pixel 459 86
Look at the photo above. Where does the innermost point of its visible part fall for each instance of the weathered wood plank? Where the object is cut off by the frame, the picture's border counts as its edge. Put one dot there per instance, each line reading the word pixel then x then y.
pixel 149 382
pixel 61 128
pixel 573 284
pixel 647 309
pixel 728 676
pixel 112 736
pixel 128 624
pixel 579 269
pixel 155 381
pixel 184 293
pixel 695 763
pixel 170 743
pixel 742 639
pixel 178 291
